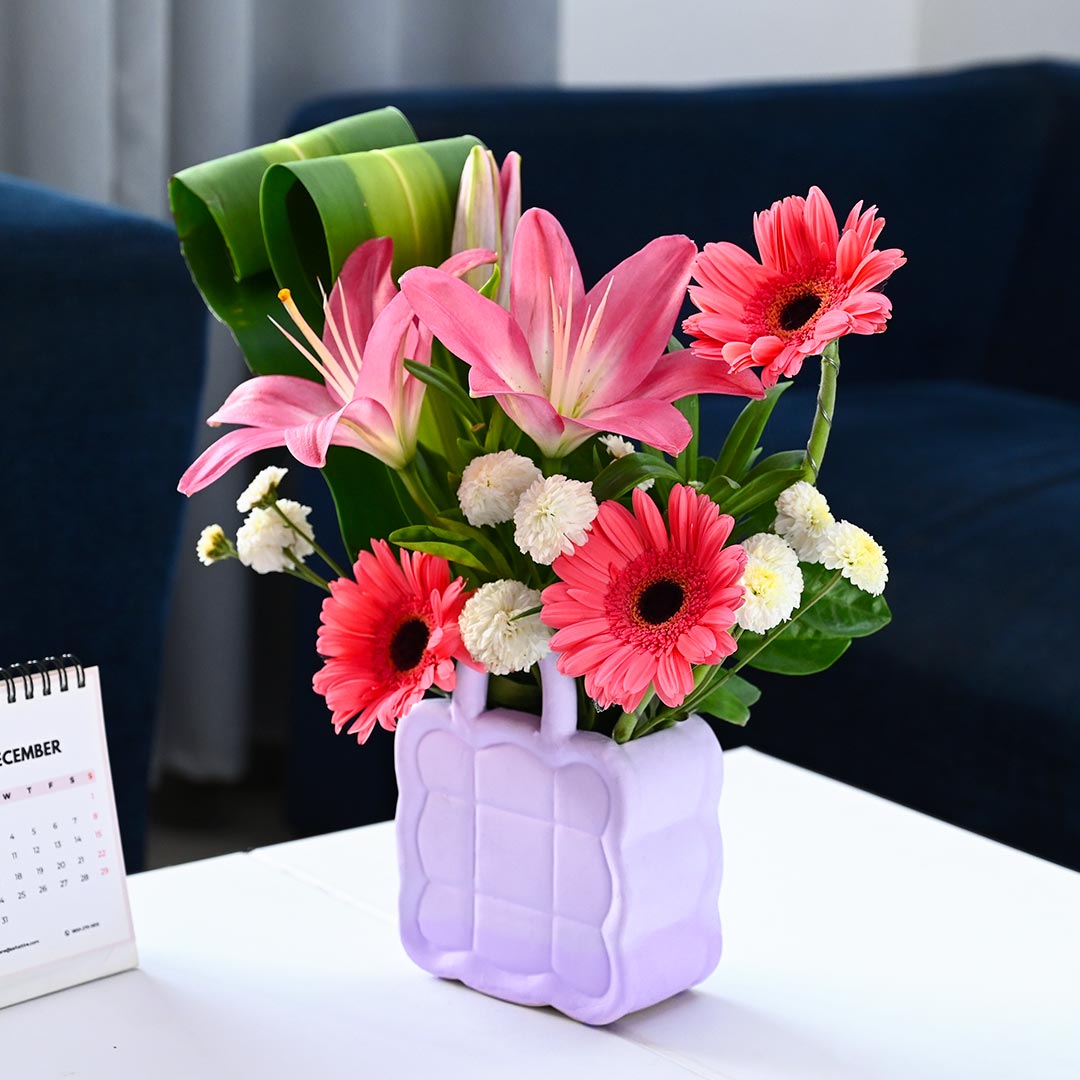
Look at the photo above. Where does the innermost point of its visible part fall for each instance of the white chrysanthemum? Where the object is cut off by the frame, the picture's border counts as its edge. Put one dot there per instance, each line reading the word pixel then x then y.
pixel 802 516
pixel 772 581
pixel 491 486
pixel 617 446
pixel 213 545
pixel 262 490
pixel 552 516
pixel 492 634
pixel 858 555
pixel 263 538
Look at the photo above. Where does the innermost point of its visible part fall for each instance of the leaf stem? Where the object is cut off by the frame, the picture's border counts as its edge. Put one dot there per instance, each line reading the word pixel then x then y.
pixel 823 416
pixel 410 478
pixel 338 572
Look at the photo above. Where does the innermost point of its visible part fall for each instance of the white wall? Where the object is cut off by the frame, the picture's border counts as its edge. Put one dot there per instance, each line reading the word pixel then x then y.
pixel 690 42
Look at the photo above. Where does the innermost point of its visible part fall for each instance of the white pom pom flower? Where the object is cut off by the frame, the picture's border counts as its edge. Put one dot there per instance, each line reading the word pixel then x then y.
pixel 262 540
pixel 492 485
pixel 772 581
pixel 617 446
pixel 496 634
pixel 855 553
pixel 262 491
pixel 552 516
pixel 212 545
pixel 802 516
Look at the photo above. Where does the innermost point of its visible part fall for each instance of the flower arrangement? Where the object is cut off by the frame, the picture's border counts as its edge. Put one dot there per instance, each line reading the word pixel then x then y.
pixel 534 444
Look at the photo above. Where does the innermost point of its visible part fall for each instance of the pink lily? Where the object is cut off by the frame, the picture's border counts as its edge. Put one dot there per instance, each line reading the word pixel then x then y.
pixel 564 364
pixel 367 399
pixel 488 211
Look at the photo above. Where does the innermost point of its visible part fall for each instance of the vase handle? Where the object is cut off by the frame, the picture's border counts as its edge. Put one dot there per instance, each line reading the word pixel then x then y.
pixel 558 719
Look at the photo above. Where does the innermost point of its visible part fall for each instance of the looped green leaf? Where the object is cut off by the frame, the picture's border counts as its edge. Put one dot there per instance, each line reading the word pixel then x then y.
pixel 799 650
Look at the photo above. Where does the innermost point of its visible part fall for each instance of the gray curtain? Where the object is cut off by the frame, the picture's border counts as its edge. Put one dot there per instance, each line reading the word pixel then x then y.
pixel 106 98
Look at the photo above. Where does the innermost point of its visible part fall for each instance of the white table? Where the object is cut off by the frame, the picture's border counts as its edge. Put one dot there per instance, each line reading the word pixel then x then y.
pixel 863 940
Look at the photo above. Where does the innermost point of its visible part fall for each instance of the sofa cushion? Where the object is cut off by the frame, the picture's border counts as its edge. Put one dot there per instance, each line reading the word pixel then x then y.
pixel 975 494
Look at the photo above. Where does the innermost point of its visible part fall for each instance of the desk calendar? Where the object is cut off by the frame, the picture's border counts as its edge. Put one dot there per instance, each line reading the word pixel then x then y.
pixel 64 915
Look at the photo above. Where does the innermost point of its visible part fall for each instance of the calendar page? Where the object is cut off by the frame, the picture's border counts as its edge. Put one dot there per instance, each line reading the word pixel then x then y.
pixel 64 915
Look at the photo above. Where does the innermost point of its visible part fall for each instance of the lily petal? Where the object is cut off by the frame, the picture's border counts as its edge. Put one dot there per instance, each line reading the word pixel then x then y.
pixel 218 459
pixel 632 335
pixel 655 422
pixel 275 401
pixel 472 327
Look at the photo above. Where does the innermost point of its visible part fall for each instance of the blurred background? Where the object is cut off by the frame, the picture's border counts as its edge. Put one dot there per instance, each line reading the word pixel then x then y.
pixel 104 99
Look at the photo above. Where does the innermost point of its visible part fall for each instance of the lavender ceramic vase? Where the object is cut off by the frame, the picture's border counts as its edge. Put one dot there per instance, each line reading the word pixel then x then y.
pixel 548 866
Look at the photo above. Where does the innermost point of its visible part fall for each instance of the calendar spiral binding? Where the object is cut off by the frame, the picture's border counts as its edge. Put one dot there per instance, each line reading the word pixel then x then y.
pixel 13 674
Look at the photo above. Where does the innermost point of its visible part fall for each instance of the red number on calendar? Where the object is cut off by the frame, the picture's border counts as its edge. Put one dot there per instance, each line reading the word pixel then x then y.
pixel 104 870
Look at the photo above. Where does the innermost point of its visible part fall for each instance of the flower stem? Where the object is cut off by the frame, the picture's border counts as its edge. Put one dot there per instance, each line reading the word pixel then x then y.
pixel 305 573
pixel 823 417
pixel 410 477
pixel 338 572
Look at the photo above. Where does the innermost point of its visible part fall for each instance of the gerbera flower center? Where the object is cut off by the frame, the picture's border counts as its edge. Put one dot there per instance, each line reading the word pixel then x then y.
pixel 659 601
pixel 798 312
pixel 408 644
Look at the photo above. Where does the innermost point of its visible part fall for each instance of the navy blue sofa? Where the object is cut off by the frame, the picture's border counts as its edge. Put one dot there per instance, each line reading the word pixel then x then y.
pixel 957 437
pixel 102 361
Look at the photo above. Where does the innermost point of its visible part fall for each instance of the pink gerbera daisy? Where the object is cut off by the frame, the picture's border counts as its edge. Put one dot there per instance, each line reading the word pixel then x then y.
pixel 388 636
pixel 814 284
pixel 637 606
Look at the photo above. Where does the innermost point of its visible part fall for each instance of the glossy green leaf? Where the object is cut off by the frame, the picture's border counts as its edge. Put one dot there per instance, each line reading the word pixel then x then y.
pixel 444 383
pixel 845 610
pixel 724 705
pixel 799 650
pixel 686 463
pixel 625 473
pixel 315 213
pixel 760 491
pixel 738 449
pixel 368 506
pixel 745 691
pixel 785 460
pixel 216 207
pixel 439 542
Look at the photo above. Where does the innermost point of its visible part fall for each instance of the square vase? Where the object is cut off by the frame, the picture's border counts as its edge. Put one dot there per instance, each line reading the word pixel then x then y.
pixel 549 866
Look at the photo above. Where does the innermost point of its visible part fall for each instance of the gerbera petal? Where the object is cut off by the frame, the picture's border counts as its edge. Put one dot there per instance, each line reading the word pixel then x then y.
pixel 366 677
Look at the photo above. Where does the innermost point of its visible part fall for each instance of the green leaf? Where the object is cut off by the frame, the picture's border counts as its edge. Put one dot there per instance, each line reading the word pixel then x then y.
pixel 724 705
pixel 799 650
pixel 363 489
pixel 762 490
pixel 441 542
pixel 720 485
pixel 315 213
pixel 216 207
pixel 616 479
pixel 445 383
pixel 845 610
pixel 686 462
pixel 745 691
pixel 742 440
pixel 785 460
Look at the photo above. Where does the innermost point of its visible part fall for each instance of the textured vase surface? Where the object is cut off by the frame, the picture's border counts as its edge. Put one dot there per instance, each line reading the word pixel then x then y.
pixel 548 866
